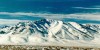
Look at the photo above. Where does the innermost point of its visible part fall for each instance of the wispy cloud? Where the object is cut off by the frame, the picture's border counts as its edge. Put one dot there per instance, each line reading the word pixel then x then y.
pixel 86 15
pixel 89 16
pixel 16 13
pixel 92 8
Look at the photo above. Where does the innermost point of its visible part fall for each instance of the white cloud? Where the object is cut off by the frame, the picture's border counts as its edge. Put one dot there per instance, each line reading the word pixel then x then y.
pixel 87 16
pixel 8 21
pixel 96 8
pixel 16 13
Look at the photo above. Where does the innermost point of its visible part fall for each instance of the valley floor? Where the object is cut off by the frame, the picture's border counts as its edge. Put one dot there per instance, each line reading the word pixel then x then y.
pixel 31 47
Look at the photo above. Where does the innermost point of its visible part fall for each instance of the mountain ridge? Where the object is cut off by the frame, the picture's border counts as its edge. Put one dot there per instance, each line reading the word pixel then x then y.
pixel 47 30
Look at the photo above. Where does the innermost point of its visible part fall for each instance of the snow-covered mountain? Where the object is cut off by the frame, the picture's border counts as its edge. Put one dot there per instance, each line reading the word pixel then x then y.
pixel 47 30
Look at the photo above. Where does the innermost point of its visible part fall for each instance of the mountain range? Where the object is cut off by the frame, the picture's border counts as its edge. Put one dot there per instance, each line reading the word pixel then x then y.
pixel 50 31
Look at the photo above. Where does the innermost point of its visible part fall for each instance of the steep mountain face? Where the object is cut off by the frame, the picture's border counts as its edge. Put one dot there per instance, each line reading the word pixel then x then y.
pixel 47 30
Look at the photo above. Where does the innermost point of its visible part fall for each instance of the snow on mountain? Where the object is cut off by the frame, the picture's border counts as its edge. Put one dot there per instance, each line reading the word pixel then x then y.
pixel 50 31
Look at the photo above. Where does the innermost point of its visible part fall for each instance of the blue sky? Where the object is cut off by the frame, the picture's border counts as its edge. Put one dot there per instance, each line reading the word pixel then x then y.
pixel 52 6
pixel 53 9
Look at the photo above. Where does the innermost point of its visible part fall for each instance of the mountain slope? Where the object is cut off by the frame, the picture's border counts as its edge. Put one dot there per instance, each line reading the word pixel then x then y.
pixel 52 31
